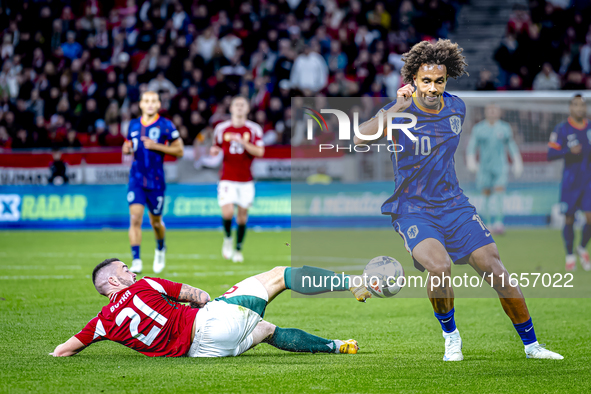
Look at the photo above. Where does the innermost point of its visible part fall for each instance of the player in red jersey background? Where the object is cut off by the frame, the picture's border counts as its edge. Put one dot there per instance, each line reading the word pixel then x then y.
pixel 240 140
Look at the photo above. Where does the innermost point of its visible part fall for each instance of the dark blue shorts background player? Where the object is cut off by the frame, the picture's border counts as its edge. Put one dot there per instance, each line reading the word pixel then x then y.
pixel 571 141
pixel 428 208
pixel 149 138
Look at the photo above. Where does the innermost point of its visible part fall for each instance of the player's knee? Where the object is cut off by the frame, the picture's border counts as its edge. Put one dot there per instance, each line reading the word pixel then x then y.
pixel 278 271
pixel 438 266
pixel 267 329
pixel 135 221
pixel 156 221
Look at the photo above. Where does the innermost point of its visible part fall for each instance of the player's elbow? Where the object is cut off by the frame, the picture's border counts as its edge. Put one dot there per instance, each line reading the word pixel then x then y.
pixel 60 351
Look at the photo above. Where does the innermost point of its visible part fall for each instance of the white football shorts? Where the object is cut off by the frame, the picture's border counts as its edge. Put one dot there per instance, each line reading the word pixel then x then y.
pixel 239 193
pixel 225 325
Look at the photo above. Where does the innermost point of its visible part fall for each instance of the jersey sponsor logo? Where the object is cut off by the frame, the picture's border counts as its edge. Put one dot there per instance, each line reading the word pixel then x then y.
pixel 412 232
pixel 130 196
pixel 417 128
pixel 456 124
pixel 175 134
pixel 134 133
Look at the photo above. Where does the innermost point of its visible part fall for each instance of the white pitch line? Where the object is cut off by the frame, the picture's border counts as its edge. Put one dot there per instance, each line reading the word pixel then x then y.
pixel 39 267
pixel 27 277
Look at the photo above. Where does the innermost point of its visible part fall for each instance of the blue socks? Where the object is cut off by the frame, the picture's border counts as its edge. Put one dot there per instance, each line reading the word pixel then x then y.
pixel 135 249
pixel 586 235
pixel 568 232
pixel 447 321
pixel 526 332
pixel 135 252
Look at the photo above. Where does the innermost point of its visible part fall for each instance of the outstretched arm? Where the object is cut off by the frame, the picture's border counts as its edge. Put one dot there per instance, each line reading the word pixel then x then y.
pixel 69 348
pixel 196 297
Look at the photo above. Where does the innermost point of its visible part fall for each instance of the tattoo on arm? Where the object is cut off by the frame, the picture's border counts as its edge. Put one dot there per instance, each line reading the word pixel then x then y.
pixel 196 297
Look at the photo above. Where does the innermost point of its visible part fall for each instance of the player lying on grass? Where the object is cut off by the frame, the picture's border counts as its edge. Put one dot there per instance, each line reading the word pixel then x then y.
pixel 428 208
pixel 146 315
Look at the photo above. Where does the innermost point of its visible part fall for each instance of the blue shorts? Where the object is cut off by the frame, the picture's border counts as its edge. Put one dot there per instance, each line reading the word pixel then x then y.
pixel 153 198
pixel 572 201
pixel 459 229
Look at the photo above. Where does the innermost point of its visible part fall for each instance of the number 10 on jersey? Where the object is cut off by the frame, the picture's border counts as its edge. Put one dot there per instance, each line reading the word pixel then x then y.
pixel 424 145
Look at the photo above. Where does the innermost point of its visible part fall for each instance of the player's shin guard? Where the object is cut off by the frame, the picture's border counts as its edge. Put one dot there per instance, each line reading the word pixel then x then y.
pixel 526 332
pixel 295 340
pixel 586 235
pixel 568 233
pixel 313 280
pixel 240 233
pixel 447 321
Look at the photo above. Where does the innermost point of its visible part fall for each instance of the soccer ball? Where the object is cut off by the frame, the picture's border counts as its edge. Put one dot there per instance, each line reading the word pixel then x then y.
pixel 382 275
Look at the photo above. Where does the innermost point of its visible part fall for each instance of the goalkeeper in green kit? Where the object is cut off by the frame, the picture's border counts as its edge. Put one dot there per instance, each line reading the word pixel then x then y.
pixel 490 140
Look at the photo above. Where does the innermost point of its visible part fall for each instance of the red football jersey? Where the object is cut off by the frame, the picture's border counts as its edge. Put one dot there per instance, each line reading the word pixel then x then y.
pixel 144 317
pixel 237 161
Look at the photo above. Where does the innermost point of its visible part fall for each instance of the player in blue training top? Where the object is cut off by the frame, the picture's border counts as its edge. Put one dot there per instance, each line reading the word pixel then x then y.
pixel 149 138
pixel 428 208
pixel 571 141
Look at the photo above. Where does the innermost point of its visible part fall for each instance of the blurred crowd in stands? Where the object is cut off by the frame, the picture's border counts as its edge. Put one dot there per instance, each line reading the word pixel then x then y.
pixel 72 71
pixel 547 46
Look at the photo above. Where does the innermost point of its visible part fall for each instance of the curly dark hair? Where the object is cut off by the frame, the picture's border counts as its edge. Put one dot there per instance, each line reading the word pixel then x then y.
pixel 442 52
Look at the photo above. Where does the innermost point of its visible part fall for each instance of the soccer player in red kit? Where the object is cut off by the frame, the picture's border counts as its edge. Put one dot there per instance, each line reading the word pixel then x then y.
pixel 146 315
pixel 240 140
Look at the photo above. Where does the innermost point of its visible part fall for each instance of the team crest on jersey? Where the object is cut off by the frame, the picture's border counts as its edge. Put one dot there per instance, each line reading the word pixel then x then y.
pixel 412 232
pixel 456 124
pixel 154 133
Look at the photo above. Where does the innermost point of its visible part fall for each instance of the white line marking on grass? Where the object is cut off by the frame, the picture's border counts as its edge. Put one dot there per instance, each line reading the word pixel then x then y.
pixel 40 267
pixel 27 277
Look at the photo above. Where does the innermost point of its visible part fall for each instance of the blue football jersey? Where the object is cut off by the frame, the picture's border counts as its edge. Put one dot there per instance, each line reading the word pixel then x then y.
pixel 147 170
pixel 577 168
pixel 425 176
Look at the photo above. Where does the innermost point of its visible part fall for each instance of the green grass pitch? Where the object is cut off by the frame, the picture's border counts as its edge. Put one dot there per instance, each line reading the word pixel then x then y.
pixel 47 296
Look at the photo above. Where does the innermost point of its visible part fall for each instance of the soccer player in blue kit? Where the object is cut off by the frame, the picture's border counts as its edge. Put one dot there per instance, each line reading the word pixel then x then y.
pixel 571 141
pixel 428 208
pixel 149 138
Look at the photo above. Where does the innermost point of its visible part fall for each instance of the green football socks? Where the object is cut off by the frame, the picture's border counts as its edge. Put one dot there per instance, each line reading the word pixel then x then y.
pixel 313 280
pixel 295 340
